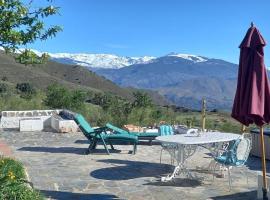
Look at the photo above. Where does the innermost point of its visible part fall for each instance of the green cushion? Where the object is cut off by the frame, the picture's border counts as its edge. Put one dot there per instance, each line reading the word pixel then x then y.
pixel 83 124
pixel 116 129
pixel 121 137
pixel 144 134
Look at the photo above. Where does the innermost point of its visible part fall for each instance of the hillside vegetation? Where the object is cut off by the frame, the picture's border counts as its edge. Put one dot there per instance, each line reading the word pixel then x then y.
pixel 183 81
pixel 69 76
pixel 100 108
pixel 55 85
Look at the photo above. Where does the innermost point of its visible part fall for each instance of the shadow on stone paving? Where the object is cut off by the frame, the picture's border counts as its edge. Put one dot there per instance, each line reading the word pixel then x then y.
pixel 103 151
pixel 255 163
pixel 177 182
pixel 71 150
pixel 145 142
pixel 125 170
pixel 250 195
pixel 61 195
pixel 81 142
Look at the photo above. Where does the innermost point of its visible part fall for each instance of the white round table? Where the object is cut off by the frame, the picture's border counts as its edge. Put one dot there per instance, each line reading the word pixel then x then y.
pixel 203 138
pixel 185 145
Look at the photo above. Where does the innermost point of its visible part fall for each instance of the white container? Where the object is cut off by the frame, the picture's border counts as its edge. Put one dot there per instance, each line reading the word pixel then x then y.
pixel 63 125
pixel 260 186
pixel 31 124
pixel 256 143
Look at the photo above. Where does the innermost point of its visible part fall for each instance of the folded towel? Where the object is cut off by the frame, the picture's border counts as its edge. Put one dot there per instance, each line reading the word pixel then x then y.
pixel 192 131
pixel 185 130
pixel 155 130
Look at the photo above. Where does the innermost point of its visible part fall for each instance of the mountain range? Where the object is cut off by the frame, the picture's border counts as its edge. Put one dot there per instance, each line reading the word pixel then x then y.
pixel 69 76
pixel 110 61
pixel 184 79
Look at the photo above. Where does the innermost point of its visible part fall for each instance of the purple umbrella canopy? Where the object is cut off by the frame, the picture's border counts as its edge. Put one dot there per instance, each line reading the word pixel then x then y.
pixel 252 98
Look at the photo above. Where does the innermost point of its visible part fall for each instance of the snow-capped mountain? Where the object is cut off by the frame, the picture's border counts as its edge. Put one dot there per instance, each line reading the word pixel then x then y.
pixel 190 57
pixel 107 61
pixel 112 61
pixel 99 60
pixel 184 79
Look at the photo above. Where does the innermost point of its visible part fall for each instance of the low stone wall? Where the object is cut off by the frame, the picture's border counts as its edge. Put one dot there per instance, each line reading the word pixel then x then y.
pixel 11 119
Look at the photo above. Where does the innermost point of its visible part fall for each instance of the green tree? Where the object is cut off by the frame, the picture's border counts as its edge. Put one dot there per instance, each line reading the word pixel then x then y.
pixel 26 90
pixel 22 23
pixel 140 104
pixel 141 99
pixel 60 97
pixel 3 87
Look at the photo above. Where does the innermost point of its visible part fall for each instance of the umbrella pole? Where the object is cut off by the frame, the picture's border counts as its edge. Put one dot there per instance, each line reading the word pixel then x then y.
pixel 203 114
pixel 263 164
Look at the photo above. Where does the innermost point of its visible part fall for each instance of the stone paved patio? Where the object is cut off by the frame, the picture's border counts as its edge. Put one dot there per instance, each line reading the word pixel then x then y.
pixel 58 168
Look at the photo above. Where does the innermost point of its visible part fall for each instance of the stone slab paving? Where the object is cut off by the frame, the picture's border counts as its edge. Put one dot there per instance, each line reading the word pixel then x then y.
pixel 59 168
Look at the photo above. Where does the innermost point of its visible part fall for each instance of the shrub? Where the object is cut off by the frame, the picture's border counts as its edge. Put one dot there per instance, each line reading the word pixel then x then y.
pixel 15 102
pixel 60 97
pixel 13 183
pixel 3 87
pixel 26 90
pixel 141 100
pixel 4 78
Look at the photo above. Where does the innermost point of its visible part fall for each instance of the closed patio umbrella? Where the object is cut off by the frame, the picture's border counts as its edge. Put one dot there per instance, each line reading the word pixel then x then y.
pixel 252 97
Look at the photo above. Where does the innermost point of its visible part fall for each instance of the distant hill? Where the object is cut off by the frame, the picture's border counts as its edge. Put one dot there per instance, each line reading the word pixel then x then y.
pixel 70 76
pixel 183 79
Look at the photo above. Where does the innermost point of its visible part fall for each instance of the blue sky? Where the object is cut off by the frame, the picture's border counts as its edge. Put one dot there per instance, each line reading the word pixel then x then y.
pixel 212 28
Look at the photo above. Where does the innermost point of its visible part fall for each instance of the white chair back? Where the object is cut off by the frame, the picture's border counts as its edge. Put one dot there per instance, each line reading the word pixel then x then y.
pixel 243 149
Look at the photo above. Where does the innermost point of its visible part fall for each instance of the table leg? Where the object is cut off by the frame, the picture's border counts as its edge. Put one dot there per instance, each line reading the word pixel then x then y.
pixel 183 152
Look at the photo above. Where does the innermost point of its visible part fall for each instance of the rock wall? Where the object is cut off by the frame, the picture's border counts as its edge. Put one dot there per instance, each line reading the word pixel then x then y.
pixel 11 119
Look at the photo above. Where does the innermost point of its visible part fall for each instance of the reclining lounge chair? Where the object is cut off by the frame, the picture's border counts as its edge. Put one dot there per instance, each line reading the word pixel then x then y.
pixel 100 135
pixel 144 135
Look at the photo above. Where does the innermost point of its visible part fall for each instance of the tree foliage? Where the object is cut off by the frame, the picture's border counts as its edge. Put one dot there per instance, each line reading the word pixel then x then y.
pixel 3 87
pixel 59 97
pixel 22 24
pixel 141 100
pixel 26 90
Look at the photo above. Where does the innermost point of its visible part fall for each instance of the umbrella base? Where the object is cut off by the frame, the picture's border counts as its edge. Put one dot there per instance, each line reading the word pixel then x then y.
pixel 261 192
pixel 264 194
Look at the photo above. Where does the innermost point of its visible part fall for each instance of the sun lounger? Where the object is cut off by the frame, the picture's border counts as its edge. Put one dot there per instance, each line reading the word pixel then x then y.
pixel 100 135
pixel 163 130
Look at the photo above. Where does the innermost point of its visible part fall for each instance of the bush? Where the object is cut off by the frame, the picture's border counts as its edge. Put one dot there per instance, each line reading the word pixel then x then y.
pixel 26 90
pixel 3 88
pixel 4 78
pixel 13 183
pixel 15 102
pixel 59 97
pixel 142 99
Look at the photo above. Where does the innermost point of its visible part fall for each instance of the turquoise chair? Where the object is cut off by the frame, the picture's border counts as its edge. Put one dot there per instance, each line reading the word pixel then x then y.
pixel 165 130
pixel 235 155
pixel 100 135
